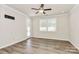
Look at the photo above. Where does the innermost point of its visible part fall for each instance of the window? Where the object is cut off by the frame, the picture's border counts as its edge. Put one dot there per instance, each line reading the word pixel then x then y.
pixel 28 24
pixel 48 24
pixel 43 25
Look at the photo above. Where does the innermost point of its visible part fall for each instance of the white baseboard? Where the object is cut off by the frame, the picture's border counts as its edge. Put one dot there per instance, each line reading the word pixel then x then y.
pixel 74 44
pixel 12 43
pixel 53 38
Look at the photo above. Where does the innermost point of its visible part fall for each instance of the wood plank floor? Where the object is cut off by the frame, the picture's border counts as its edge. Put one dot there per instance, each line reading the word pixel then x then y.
pixel 40 46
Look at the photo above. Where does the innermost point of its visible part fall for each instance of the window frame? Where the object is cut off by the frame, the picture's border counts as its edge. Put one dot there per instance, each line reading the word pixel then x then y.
pixel 47 25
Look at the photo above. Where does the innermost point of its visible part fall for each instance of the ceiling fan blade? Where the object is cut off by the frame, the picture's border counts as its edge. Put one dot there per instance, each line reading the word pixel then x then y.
pixel 37 12
pixel 34 8
pixel 47 9
pixel 44 12
pixel 42 5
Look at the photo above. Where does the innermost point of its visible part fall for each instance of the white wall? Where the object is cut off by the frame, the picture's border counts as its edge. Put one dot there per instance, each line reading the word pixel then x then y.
pixel 12 31
pixel 74 26
pixel 62 32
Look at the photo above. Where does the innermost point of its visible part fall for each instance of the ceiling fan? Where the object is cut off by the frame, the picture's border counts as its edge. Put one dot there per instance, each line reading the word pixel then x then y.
pixel 41 9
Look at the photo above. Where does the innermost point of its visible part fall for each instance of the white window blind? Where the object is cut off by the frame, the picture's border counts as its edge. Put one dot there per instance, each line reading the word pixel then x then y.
pixel 48 24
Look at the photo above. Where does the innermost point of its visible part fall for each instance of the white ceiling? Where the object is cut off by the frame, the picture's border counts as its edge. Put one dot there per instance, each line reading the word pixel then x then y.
pixel 57 8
